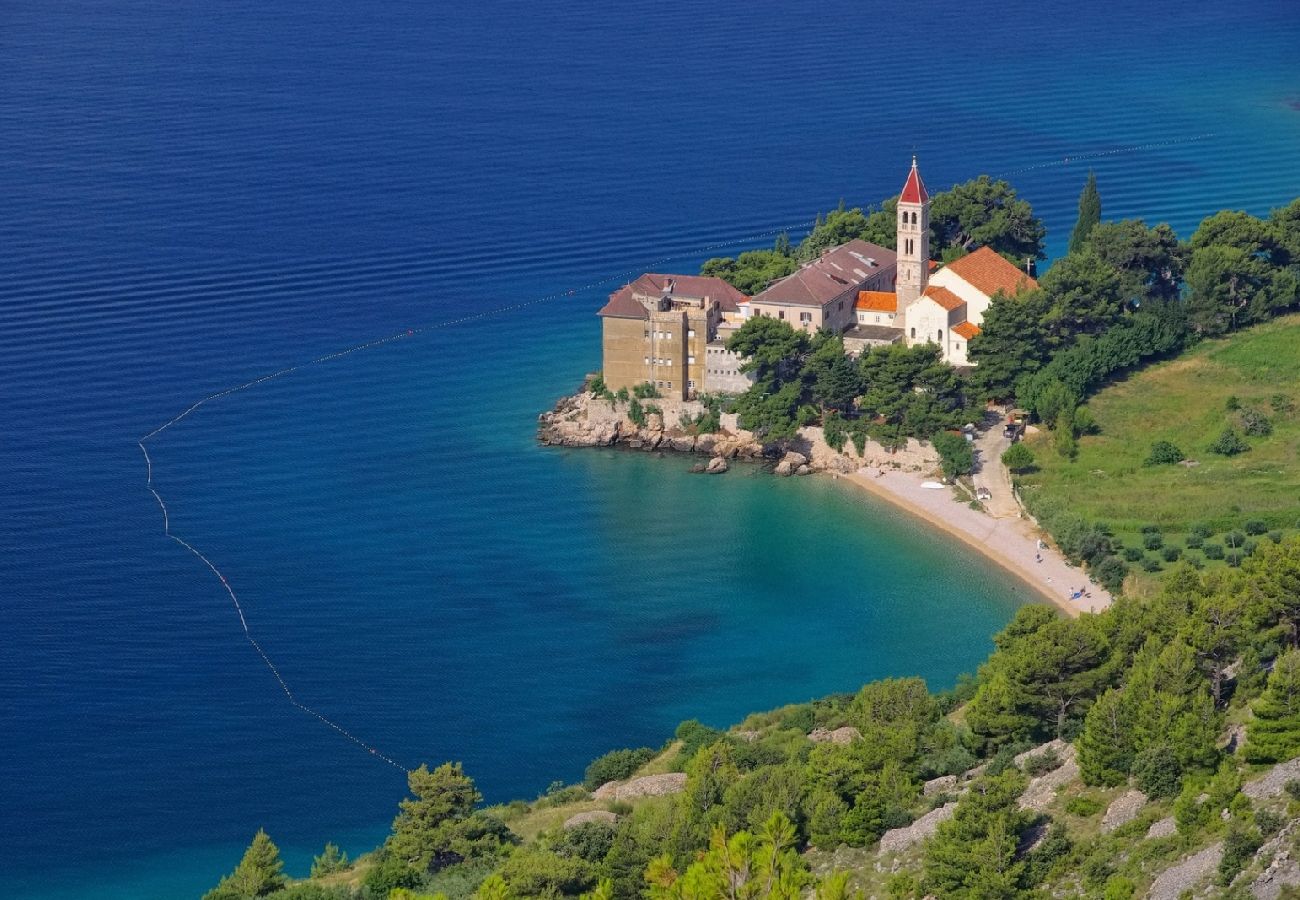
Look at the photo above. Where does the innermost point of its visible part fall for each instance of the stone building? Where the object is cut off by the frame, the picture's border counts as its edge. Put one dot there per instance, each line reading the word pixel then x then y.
pixel 942 306
pixel 823 293
pixel 658 329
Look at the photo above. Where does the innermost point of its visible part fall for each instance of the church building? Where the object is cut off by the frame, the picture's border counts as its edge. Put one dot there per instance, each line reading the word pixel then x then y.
pixel 943 306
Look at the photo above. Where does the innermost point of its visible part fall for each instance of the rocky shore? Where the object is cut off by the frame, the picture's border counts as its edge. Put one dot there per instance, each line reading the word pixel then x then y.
pixel 585 420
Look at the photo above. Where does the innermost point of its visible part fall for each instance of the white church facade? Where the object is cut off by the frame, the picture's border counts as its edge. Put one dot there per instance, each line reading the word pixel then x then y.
pixel 943 306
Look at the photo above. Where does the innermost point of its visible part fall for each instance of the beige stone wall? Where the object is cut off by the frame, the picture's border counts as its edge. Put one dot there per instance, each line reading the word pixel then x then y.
pixel 667 351
pixel 623 350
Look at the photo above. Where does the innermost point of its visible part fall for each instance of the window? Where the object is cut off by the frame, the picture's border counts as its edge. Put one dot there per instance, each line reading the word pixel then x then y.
pixel 690 385
pixel 781 314
pixel 670 385
pixel 647 333
pixel 877 320
pixel 913 332
pixel 941 335
pixel 668 335
pixel 690 332
pixel 805 317
pixel 690 359
pixel 647 360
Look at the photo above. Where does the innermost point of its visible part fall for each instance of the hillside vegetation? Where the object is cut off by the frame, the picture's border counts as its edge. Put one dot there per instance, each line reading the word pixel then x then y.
pixel 1249 381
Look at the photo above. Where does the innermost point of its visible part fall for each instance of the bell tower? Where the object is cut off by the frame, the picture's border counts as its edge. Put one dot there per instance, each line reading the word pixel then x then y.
pixel 913 242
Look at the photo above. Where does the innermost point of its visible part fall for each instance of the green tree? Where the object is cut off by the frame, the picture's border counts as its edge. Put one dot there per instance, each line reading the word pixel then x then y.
pixel 330 860
pixel 955 454
pixel 834 378
pixel 260 872
pixel 1089 214
pixel 772 349
pixel 1217 629
pixel 985 213
pixel 1227 288
pixel 752 271
pixel 745 866
pixel 425 833
pixel 973 854
pixel 1018 458
pixel 1083 297
pixel 1149 261
pixel 1229 443
pixel 1105 746
pixel 1273 735
pixel 1274 570
pixel 1010 346
pixel 839 227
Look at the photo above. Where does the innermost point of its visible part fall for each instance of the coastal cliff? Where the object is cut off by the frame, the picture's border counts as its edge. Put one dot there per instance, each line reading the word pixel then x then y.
pixel 586 420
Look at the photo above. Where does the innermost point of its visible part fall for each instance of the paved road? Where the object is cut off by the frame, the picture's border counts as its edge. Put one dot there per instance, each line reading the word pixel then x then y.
pixel 991 475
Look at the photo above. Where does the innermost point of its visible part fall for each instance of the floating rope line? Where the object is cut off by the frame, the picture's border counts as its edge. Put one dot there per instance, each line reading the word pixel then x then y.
pixel 329 357
pixel 1065 161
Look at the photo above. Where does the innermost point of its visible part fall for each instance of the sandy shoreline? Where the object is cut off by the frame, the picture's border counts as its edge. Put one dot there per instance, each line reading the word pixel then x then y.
pixel 1012 543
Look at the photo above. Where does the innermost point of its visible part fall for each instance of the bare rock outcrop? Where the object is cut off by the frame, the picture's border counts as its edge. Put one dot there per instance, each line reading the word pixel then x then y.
pixel 603 816
pixel 1282 869
pixel 1042 790
pixel 1166 827
pixel 1123 810
pixel 896 840
pixel 1185 876
pixel 941 785
pixel 1272 783
pixel 651 786
pixel 790 463
pixel 846 735
pixel 716 466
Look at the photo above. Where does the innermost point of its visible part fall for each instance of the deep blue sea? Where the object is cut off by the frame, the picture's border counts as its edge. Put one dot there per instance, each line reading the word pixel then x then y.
pixel 196 193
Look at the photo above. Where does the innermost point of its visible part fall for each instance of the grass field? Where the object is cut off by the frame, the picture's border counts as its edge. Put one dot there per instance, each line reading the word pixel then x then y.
pixel 1188 401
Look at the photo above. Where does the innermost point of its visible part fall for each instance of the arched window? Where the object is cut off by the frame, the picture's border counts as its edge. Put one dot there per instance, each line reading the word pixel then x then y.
pixel 913 332
pixel 941 335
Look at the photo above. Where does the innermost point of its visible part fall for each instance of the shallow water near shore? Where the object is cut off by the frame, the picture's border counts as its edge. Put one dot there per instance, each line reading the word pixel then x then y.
pixel 196 199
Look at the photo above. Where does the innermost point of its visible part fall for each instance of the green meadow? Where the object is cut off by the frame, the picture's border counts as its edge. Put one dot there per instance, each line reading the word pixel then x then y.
pixel 1210 502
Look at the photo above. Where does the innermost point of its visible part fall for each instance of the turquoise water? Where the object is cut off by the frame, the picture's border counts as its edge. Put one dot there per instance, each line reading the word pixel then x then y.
pixel 196 196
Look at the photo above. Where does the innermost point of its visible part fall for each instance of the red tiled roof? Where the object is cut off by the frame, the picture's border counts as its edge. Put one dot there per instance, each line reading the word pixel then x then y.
pixel 622 303
pixel 914 190
pixel 967 330
pixel 845 268
pixel 989 273
pixel 879 301
pixel 944 297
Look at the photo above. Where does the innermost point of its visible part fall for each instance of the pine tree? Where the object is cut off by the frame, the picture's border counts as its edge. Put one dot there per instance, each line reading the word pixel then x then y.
pixel 1106 744
pixel 260 872
pixel 1274 734
pixel 331 860
pixel 1089 214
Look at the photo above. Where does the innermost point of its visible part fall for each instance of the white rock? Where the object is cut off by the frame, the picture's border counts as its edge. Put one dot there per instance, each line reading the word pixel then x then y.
pixel 1123 810
pixel 899 839
pixel 595 815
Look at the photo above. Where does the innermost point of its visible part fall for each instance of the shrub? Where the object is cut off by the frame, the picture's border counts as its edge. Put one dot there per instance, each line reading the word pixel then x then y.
pixel 1281 403
pixel 1151 564
pixel 1171 554
pixel 1110 572
pixel 1234 539
pixel 1194 541
pixel 636 413
pixel 1083 806
pixel 622 395
pixel 1233 403
pixel 1196 562
pixel 955 453
pixel 645 391
pixel 836 431
pixel 1255 526
pixel 1157 771
pixel 1268 822
pixel 1133 554
pixel 1275 536
pixel 1018 458
pixel 1202 530
pixel 1249 547
pixel 1042 763
pixel 1084 423
pixel 1239 845
pixel 1164 453
pixel 1234 557
pixel 1229 443
pixel 1150 529
pixel 1292 788
pixel 1255 423
pixel 1153 541
pixel 1213 551
pixel 615 766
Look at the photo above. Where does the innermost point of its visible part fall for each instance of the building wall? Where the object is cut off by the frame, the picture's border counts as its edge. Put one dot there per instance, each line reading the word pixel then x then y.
pixel 913 253
pixel 977 302
pixel 874 317
pixel 722 373
pixel 623 350
pixel 666 350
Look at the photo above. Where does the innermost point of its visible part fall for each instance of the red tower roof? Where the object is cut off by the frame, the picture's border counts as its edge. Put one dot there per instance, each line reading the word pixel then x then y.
pixel 914 190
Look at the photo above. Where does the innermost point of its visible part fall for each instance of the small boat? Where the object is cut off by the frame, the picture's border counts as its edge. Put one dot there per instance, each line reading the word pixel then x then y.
pixel 932 485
